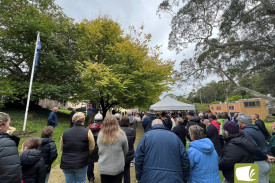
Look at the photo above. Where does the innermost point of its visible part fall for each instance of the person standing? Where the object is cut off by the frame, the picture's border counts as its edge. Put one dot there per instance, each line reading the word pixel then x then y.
pixel 76 143
pixel 213 135
pixel 10 165
pixel 48 149
pixel 147 122
pixel 238 149
pixel 132 119
pixel 180 130
pixel 52 119
pixel 112 149
pixel 161 156
pixel 71 117
pixel 260 124
pixel 131 137
pixel 203 158
pixel 263 155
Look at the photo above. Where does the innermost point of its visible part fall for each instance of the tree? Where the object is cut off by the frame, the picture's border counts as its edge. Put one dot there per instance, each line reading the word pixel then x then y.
pixel 120 69
pixel 234 38
pixel 55 74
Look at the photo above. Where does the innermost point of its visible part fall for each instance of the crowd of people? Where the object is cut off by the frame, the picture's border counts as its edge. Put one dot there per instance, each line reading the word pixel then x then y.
pixel 180 147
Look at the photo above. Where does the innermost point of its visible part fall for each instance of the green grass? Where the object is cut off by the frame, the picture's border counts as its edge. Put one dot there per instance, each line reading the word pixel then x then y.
pixel 37 120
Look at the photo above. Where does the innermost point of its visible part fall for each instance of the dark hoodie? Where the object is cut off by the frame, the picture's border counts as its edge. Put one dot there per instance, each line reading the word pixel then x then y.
pixel 258 138
pixel 195 121
pixel 33 166
pixel 147 122
pixel 49 152
pixel 238 149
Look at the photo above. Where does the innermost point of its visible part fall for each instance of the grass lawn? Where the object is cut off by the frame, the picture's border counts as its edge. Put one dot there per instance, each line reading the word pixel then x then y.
pixel 37 120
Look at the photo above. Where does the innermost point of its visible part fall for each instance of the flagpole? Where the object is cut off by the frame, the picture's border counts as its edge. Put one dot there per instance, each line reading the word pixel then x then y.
pixel 30 88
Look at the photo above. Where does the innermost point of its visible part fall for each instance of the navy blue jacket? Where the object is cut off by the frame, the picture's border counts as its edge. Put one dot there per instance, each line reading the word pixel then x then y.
pixel 147 122
pixel 52 120
pixel 258 138
pixel 161 157
pixel 49 152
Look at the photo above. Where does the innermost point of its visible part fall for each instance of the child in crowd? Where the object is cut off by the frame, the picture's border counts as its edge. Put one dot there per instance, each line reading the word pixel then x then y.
pixel 48 149
pixel 32 162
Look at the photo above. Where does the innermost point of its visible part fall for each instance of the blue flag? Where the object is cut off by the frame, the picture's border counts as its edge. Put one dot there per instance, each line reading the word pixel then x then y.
pixel 38 47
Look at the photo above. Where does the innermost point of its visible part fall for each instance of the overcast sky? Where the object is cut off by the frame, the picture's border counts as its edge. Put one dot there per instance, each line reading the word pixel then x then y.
pixel 128 13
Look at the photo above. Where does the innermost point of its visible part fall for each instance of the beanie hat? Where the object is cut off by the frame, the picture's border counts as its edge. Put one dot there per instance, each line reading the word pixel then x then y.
pixel 245 119
pixel 213 116
pixel 98 117
pixel 231 126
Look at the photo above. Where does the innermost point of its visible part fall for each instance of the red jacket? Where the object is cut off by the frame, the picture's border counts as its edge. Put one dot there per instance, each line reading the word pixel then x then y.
pixel 216 124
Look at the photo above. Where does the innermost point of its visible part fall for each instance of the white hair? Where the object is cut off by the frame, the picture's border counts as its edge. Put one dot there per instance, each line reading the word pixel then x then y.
pixel 206 121
pixel 157 122
pixel 200 114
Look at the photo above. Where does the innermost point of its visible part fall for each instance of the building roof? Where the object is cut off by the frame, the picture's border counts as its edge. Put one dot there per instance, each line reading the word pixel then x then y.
pixel 170 104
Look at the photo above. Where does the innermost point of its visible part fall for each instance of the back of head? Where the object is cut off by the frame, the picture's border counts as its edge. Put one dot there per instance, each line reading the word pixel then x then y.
pixel 129 113
pixel 157 122
pixel 4 117
pixel 98 117
pixel 213 117
pixel 117 115
pixel 125 121
pixel 244 119
pixel 196 131
pixel 47 132
pixel 32 143
pixel 232 127
pixel 78 118
pixel 110 130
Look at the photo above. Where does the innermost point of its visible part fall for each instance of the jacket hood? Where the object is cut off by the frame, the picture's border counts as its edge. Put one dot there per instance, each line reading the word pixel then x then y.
pixel 46 141
pixel 30 157
pixel 251 126
pixel 196 119
pixel 204 145
pixel 153 116
pixel 243 141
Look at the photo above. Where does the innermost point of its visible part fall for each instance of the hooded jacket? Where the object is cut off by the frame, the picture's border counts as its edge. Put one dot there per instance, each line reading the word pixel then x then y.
pixel 203 162
pixel 49 152
pixel 10 168
pixel 212 134
pixel 238 149
pixel 161 157
pixel 195 121
pixel 217 125
pixel 33 166
pixel 260 124
pixel 258 138
pixel 147 122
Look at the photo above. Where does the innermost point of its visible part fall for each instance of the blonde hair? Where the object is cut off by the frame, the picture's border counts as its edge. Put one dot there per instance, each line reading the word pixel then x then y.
pixel 110 130
pixel 78 118
pixel 4 118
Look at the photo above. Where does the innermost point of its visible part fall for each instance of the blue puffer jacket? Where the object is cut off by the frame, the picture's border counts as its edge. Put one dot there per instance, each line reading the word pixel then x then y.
pixel 203 162
pixel 52 120
pixel 161 157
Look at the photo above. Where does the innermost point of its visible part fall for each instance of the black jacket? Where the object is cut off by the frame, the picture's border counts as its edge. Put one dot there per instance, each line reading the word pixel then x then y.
pixel 260 124
pixel 10 168
pixel 213 135
pixel 167 123
pixel 49 152
pixel 131 137
pixel 75 148
pixel 238 149
pixel 180 131
pixel 33 166
pixel 258 138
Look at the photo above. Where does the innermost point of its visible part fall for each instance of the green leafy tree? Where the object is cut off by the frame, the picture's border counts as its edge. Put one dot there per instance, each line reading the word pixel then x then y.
pixel 234 38
pixel 55 74
pixel 120 69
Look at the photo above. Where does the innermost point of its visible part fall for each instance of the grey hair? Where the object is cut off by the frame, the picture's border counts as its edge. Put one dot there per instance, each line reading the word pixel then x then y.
pixel 179 120
pixel 157 122
pixel 4 118
pixel 78 118
pixel 196 131
pixel 200 114
pixel 206 121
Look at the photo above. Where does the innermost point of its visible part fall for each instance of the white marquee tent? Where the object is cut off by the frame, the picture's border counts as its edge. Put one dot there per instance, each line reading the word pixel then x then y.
pixel 170 104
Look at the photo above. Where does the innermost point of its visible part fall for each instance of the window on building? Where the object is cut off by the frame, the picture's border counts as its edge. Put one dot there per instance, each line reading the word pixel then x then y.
pixel 212 108
pixel 219 108
pixel 231 107
pixel 252 104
